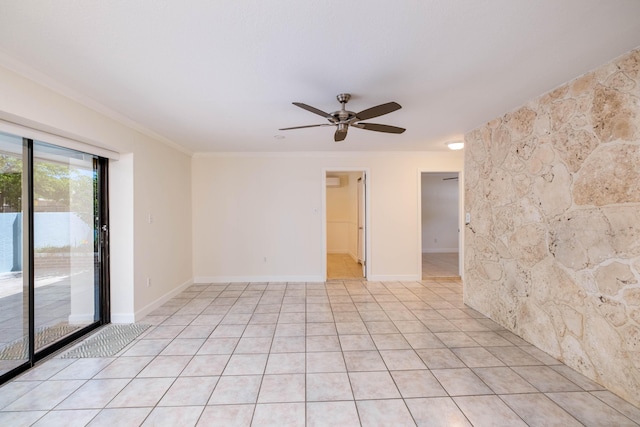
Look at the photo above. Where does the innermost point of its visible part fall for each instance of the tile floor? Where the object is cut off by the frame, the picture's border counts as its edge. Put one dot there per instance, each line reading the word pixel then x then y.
pixel 318 354
pixel 52 307
pixel 342 266
pixel 440 265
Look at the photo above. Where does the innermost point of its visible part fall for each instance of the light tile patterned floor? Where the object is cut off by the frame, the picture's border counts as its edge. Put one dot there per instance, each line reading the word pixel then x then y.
pixel 440 265
pixel 52 307
pixel 342 266
pixel 336 353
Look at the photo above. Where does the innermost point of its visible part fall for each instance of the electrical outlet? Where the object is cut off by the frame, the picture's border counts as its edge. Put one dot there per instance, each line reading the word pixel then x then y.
pixel 148 282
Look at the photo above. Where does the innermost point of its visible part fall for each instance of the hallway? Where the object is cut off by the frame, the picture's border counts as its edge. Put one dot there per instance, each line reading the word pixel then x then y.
pixel 342 266
pixel 344 353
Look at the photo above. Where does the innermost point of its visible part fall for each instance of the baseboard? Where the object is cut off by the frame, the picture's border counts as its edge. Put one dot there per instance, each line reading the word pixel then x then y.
pixel 131 318
pixel 353 256
pixel 440 250
pixel 391 278
pixel 260 279
pixel 313 279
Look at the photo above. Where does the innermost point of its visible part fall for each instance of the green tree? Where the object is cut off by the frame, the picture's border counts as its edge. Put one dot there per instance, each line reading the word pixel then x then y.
pixel 53 183
pixel 10 182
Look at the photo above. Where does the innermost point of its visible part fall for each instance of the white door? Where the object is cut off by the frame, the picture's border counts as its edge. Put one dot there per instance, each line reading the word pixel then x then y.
pixel 362 253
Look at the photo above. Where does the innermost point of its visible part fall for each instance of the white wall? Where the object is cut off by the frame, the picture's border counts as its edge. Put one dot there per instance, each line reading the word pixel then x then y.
pixel 150 177
pixel 242 209
pixel 342 215
pixel 251 207
pixel 440 220
pixel 162 247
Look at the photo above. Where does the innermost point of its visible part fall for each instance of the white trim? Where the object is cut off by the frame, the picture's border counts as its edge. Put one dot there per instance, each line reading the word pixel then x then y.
pixel 160 301
pixel 367 216
pixel 44 80
pixel 258 279
pixel 353 256
pixel 330 154
pixel 392 278
pixel 440 250
pixel 134 317
pixel 323 223
pixel 26 128
pixel 461 224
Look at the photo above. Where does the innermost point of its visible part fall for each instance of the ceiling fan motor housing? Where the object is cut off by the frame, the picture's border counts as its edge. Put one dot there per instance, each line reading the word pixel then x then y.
pixel 343 115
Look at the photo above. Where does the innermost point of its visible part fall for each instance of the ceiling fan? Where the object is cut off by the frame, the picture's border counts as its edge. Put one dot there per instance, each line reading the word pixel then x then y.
pixel 343 118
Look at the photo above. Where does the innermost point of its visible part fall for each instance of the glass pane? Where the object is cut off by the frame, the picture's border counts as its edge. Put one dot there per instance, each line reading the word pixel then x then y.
pixel 13 288
pixel 65 247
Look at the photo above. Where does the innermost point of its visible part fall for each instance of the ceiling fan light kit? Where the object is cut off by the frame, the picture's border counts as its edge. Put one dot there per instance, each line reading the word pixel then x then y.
pixel 344 118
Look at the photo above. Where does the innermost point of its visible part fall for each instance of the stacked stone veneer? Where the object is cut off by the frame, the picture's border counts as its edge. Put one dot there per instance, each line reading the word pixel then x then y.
pixel 553 248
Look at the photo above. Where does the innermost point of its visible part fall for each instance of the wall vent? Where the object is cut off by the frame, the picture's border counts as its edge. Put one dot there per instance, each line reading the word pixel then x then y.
pixel 333 181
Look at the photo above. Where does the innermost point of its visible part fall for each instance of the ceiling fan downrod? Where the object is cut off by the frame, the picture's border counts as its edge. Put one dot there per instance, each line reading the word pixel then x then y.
pixel 343 115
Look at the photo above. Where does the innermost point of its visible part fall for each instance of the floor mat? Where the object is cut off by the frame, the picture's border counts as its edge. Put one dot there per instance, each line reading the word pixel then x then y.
pixel 107 342
pixel 44 336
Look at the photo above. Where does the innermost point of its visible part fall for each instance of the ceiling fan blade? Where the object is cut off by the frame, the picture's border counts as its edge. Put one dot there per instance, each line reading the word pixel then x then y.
pixel 378 110
pixel 307 126
pixel 379 128
pixel 340 135
pixel 313 110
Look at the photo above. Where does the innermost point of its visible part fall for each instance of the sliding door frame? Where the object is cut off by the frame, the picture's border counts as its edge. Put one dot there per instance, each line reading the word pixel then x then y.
pixel 103 253
pixel 101 168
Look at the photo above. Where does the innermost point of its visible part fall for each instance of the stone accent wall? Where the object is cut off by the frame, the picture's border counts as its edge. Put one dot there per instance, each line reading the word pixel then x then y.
pixel 553 248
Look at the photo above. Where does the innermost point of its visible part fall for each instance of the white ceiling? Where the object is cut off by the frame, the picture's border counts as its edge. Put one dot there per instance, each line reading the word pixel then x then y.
pixel 220 75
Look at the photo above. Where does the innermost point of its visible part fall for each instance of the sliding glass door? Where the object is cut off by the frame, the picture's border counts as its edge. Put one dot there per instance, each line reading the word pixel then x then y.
pixel 53 248
pixel 14 301
pixel 65 248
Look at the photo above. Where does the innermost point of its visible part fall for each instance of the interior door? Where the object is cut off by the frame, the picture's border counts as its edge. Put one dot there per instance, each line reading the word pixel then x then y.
pixel 362 230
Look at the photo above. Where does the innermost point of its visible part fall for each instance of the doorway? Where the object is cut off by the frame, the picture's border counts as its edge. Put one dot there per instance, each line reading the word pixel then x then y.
pixel 440 225
pixel 53 251
pixel 345 203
